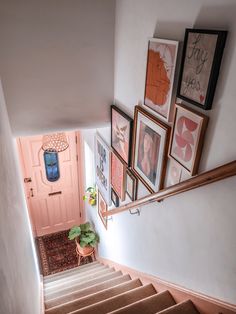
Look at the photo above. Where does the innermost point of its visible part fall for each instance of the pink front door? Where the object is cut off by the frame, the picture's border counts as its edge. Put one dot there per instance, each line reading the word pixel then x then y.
pixel 54 206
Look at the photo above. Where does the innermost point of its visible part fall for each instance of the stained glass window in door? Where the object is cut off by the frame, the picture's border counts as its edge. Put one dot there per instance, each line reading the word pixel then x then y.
pixel 51 166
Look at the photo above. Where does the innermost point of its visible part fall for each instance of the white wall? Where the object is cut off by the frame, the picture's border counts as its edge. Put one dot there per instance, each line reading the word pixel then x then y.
pixel 57 63
pixel 189 239
pixel 19 274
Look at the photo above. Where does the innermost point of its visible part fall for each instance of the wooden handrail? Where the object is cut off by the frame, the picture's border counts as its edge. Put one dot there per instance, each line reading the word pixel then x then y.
pixel 217 174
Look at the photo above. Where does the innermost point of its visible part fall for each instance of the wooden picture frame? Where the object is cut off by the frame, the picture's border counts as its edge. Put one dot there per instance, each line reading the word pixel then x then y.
pixel 118 171
pixel 200 66
pixel 121 133
pixel 102 167
pixel 131 185
pixel 187 137
pixel 102 207
pixel 160 74
pixel 150 148
pixel 114 198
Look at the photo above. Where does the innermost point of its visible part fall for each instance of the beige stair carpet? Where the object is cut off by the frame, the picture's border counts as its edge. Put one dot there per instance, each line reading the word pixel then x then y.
pixel 76 278
pixel 94 298
pixel 149 305
pixel 87 291
pixel 76 272
pixel 119 301
pixel 186 307
pixel 83 285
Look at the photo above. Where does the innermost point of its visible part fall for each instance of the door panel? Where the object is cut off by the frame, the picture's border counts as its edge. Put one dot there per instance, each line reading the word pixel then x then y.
pixel 54 206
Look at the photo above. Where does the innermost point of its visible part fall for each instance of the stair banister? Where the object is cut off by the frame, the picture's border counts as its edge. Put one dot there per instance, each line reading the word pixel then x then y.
pixel 216 174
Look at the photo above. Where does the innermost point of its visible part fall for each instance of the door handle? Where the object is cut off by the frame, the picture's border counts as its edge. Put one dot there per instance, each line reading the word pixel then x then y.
pixel 54 193
pixel 31 192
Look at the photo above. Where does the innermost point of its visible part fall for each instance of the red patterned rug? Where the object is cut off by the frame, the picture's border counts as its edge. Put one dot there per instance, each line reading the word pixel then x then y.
pixel 57 253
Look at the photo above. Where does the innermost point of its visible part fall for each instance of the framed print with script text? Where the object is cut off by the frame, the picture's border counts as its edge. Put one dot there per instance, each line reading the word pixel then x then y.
pixel 200 66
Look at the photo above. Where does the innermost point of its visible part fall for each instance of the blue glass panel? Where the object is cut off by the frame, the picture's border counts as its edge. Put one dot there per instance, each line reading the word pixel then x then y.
pixel 51 166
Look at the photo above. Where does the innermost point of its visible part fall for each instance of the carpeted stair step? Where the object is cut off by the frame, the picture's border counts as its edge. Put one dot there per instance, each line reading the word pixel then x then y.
pixel 96 297
pixel 119 301
pixel 77 277
pixel 83 285
pixel 186 307
pixel 69 272
pixel 87 291
pixel 149 305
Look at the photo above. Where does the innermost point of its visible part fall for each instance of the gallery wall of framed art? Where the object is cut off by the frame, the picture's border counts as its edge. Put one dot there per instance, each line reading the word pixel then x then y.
pixel 141 148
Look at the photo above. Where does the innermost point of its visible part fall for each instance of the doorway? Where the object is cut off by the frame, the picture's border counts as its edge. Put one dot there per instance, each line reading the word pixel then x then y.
pixel 53 184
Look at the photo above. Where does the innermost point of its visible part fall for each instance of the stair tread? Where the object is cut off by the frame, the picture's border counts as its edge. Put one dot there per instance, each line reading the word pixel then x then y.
pixel 74 278
pixel 94 298
pixel 83 285
pixel 186 307
pixel 87 291
pixel 119 301
pixel 48 278
pixel 149 305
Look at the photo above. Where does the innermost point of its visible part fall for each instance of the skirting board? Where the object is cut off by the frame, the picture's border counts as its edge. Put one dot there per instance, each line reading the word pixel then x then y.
pixel 203 303
pixel 42 309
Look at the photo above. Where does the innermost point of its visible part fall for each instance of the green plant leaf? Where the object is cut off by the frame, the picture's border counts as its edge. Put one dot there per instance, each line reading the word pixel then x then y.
pixel 74 232
pixel 85 227
pixel 82 243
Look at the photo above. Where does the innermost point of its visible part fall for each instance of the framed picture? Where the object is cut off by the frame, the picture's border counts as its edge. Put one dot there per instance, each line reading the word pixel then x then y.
pixel 102 163
pixel 118 170
pixel 161 61
pixel 121 133
pixel 187 137
pixel 114 198
pixel 202 54
pixel 131 185
pixel 102 208
pixel 149 156
pixel 174 173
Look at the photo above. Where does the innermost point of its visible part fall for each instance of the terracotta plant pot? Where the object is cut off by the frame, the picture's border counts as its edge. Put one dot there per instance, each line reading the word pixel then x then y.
pixel 84 251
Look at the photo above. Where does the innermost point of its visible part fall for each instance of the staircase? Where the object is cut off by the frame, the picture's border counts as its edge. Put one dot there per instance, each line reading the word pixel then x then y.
pixel 97 289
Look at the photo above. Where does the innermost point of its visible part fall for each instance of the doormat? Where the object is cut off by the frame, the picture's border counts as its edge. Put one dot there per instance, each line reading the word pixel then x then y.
pixel 57 253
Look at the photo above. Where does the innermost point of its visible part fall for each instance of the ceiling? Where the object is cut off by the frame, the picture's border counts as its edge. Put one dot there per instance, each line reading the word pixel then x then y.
pixel 57 63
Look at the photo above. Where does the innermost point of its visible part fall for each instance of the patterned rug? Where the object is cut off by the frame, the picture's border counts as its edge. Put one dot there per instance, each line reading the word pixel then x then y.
pixel 57 253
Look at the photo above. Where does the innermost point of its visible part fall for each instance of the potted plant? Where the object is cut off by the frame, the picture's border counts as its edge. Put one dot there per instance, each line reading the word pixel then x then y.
pixel 85 237
pixel 91 195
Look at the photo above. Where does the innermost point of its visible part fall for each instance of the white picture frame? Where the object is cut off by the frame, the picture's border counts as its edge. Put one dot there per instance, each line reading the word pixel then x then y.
pixel 102 168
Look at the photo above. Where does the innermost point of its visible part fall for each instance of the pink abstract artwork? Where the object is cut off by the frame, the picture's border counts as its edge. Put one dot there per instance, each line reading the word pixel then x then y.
pixel 186 138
